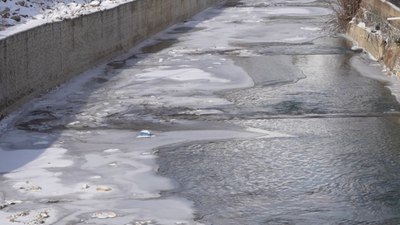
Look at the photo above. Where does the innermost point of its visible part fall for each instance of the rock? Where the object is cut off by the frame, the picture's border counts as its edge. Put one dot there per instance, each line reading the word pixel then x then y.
pixel 5 15
pixel 40 217
pixel 6 9
pixel 16 18
pixel 6 203
pixel 13 202
pixel 28 186
pixel 44 215
pixel 21 3
pixel 15 217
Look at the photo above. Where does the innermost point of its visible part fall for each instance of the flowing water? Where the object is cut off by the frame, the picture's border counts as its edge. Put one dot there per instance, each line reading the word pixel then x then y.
pixel 338 161
pixel 260 115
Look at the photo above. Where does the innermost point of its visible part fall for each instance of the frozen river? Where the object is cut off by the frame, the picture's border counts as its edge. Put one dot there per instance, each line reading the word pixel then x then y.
pixel 260 115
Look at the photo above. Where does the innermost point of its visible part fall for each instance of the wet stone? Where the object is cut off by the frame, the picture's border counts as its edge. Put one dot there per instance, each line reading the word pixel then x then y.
pixel 28 186
pixel 6 9
pixel 15 217
pixel 5 15
pixel 31 217
pixel 21 3
pixel 16 18
pixel 37 120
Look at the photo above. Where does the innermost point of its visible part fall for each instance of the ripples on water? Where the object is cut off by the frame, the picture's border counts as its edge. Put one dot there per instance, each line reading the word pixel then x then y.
pixel 341 168
pixel 335 171
pixel 322 84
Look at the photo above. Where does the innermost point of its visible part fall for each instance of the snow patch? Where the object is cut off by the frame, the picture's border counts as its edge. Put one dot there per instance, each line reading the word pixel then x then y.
pixel 361 24
pixel 19 15
pixel 191 74
pixel 283 11
pixel 311 28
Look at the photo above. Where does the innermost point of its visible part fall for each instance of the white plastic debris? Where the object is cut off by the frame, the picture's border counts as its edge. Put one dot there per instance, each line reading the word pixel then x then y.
pixel 145 134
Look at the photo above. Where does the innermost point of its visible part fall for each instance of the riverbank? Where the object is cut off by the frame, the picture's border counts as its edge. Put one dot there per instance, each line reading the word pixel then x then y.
pixel 36 60
pixel 376 29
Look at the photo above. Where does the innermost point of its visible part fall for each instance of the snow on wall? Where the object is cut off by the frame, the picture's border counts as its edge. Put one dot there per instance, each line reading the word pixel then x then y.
pixel 35 60
pixel 379 36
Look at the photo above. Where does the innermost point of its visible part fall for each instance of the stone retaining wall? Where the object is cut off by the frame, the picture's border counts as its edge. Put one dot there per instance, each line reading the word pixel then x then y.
pixel 372 30
pixel 36 60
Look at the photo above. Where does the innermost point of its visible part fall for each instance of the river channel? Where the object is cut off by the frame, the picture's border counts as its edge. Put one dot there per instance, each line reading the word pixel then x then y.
pixel 260 113
pixel 338 160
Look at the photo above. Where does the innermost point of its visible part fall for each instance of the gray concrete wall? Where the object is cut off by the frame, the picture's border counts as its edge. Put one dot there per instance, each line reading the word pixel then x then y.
pixel 382 45
pixel 41 58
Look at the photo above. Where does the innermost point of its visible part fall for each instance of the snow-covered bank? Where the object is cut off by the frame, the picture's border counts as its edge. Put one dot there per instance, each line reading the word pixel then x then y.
pixel 17 15
pixel 374 70
pixel 114 177
pixel 38 59
pixel 372 31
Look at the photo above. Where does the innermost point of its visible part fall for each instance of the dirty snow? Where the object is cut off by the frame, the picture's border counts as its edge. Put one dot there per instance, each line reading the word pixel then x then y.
pixel 17 15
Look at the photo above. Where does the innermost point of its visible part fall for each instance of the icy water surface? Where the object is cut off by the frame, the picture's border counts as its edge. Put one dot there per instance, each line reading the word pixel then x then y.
pixel 259 115
pixel 339 162
pixel 331 171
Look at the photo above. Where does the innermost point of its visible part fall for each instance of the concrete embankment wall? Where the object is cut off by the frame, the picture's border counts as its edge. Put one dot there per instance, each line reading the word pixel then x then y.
pixel 372 30
pixel 41 58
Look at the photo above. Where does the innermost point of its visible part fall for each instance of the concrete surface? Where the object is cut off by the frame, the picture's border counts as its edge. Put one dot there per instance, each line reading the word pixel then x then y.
pixel 41 58
pixel 378 36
